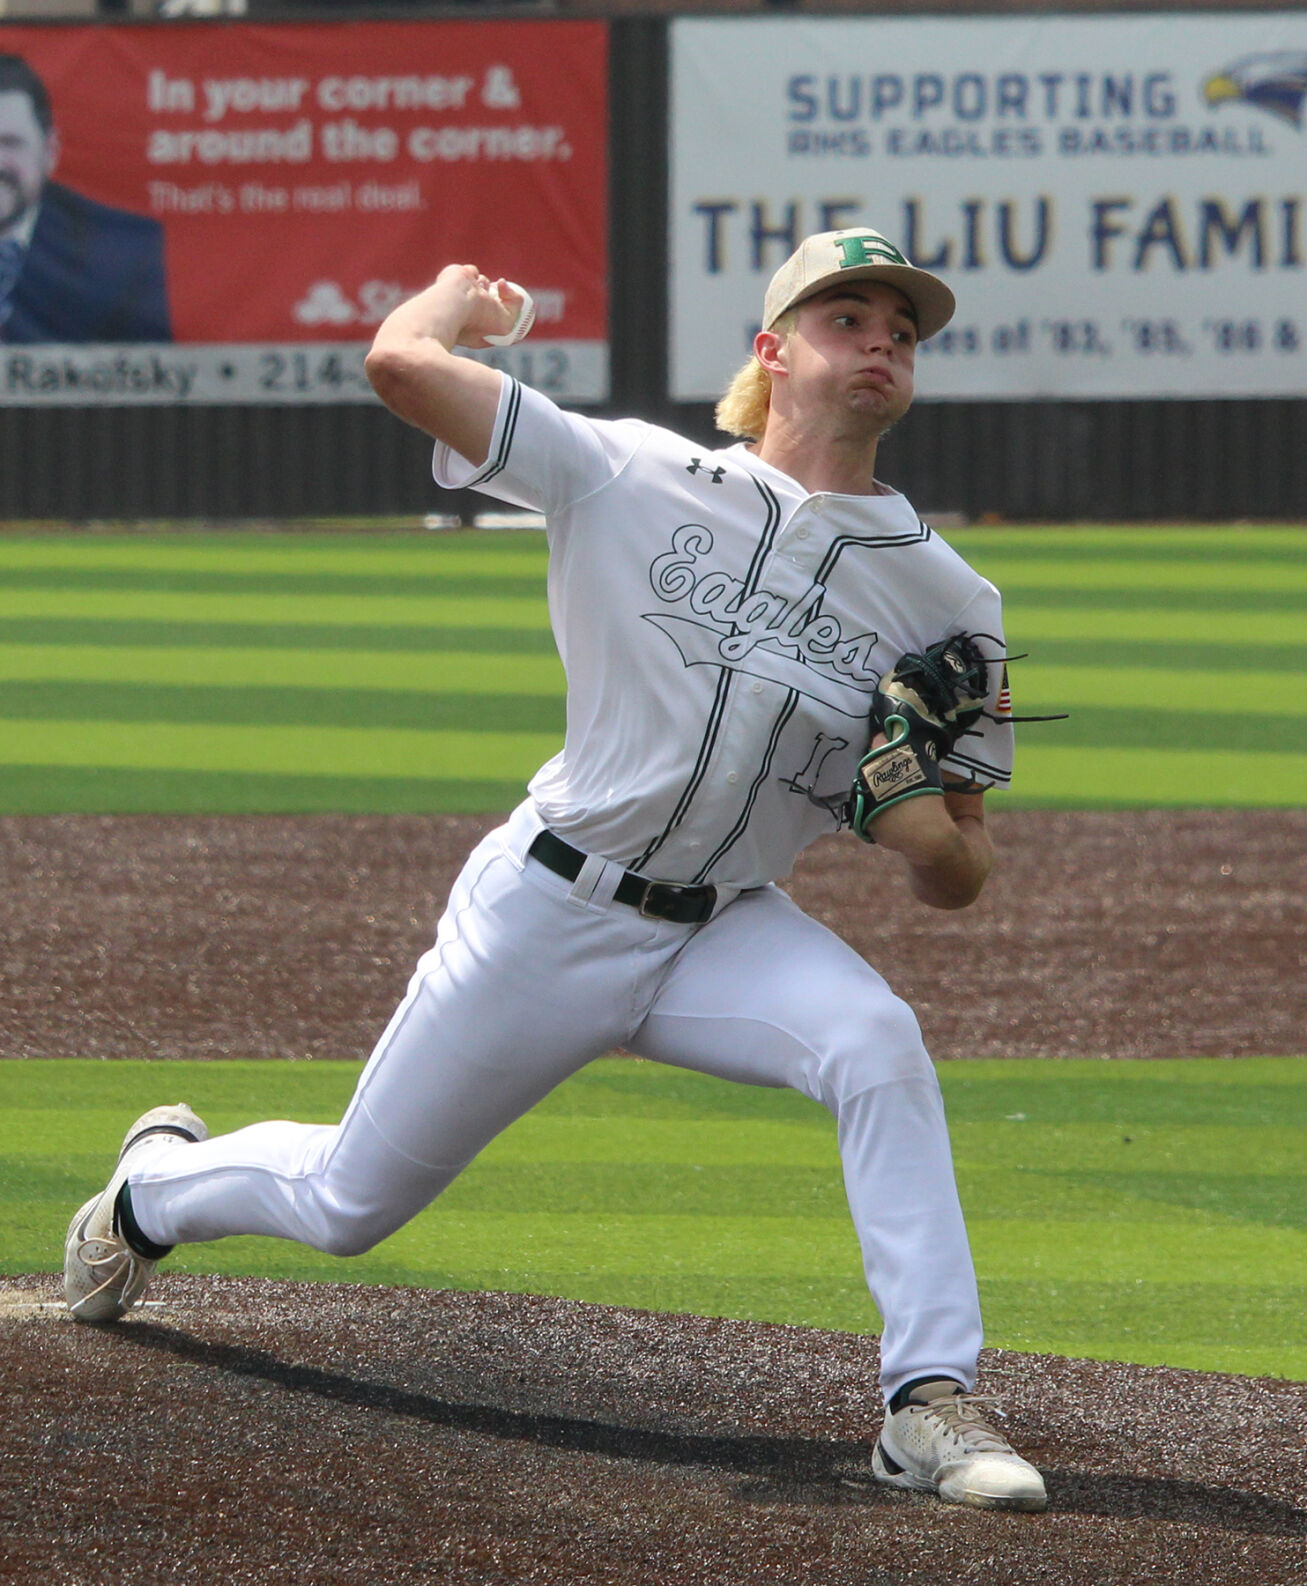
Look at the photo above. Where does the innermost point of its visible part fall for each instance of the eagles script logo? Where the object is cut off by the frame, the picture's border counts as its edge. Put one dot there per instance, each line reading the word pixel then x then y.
pixel 789 641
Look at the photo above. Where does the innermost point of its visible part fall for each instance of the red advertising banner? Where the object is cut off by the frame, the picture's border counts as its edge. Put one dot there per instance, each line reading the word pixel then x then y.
pixel 270 192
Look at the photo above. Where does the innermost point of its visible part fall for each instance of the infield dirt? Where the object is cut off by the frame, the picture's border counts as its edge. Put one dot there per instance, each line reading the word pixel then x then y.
pixel 256 1432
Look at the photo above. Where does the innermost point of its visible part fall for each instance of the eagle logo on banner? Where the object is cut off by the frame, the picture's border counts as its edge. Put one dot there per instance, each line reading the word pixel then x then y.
pixel 1275 82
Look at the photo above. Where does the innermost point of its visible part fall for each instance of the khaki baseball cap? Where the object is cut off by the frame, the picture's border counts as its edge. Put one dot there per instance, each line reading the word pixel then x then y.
pixel 856 254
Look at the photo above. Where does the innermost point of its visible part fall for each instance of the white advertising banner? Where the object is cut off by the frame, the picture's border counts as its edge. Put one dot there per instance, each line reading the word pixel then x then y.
pixel 1119 203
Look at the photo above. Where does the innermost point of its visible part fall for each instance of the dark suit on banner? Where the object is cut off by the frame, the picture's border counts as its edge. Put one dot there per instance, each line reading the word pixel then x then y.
pixel 91 274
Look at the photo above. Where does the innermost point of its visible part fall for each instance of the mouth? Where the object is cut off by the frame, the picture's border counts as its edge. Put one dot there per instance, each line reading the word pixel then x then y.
pixel 880 379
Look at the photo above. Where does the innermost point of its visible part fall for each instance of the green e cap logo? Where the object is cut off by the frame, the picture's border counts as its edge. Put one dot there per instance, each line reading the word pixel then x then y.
pixel 867 249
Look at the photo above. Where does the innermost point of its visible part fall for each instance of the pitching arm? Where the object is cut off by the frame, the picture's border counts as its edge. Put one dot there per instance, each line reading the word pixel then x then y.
pixel 413 368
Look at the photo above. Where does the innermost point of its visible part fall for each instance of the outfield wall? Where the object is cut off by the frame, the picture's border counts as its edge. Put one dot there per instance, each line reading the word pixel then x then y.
pixel 1017 458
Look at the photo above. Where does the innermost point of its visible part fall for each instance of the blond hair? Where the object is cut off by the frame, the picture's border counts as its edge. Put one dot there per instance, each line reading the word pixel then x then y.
pixel 743 409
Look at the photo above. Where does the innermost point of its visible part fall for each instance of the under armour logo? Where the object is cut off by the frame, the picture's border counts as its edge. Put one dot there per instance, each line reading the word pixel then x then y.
pixel 697 466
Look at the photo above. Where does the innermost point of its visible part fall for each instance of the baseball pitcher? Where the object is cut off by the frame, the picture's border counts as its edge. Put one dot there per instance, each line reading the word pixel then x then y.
pixel 763 643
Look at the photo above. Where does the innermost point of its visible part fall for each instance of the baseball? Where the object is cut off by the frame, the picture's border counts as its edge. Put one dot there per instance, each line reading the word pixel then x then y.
pixel 521 326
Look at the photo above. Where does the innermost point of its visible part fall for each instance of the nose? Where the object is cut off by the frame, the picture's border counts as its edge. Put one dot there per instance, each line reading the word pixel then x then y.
pixel 877 335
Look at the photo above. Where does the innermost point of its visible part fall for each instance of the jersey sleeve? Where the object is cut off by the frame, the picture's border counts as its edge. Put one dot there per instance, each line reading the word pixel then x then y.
pixel 542 457
pixel 984 756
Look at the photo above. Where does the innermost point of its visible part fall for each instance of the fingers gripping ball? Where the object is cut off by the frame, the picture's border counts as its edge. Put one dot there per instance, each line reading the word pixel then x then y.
pixel 521 326
pixel 925 704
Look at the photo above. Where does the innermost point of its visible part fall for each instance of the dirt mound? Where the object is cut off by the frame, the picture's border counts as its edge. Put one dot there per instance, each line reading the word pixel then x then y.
pixel 255 1432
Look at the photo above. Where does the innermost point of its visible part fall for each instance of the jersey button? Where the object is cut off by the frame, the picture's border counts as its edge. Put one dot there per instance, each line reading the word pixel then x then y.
pixel 732 776
pixel 802 533
pixel 757 688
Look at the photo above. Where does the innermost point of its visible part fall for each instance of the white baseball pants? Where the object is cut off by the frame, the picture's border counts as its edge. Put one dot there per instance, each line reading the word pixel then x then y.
pixel 532 976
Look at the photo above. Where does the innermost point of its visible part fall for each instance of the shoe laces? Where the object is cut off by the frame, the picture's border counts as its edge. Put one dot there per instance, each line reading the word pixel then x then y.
pixel 114 1253
pixel 963 1414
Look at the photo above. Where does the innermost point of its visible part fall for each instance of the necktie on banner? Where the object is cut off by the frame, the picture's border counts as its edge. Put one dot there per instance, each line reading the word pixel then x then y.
pixel 11 265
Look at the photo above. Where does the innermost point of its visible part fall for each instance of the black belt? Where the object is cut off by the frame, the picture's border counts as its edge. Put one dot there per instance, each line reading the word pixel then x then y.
pixel 659 900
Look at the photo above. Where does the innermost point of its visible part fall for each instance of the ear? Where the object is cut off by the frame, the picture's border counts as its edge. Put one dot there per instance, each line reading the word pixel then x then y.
pixel 51 160
pixel 769 349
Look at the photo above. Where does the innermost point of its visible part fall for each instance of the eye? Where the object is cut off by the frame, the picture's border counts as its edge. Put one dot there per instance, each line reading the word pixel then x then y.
pixel 906 338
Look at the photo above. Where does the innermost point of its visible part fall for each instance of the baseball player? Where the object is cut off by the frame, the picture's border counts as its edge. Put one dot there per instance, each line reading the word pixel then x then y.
pixel 762 643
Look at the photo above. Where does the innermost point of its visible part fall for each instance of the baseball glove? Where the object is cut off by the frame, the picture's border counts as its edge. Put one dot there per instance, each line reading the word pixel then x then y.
pixel 925 704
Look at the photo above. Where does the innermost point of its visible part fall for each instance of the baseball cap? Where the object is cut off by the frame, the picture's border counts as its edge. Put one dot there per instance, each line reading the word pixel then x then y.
pixel 856 254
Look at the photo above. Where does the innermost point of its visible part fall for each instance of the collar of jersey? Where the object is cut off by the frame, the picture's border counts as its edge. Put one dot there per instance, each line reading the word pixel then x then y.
pixel 741 454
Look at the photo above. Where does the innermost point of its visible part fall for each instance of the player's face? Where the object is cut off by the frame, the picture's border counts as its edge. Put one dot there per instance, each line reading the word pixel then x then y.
pixel 26 157
pixel 854 348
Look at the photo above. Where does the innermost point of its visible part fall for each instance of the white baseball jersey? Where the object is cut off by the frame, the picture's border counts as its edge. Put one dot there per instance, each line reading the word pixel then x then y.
pixel 722 631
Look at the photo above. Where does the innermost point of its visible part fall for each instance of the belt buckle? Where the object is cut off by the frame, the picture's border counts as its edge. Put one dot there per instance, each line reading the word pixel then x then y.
pixel 675 890
pixel 647 911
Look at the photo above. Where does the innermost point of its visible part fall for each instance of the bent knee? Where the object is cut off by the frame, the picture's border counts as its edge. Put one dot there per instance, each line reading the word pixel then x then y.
pixel 873 1047
pixel 350 1239
pixel 350 1231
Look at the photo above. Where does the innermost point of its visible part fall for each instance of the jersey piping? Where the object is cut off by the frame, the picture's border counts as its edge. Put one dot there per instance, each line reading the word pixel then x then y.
pixel 766 539
pixel 764 771
pixel 701 764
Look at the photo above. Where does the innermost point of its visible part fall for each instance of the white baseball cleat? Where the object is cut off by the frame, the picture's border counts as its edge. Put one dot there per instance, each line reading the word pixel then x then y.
pixel 104 1276
pixel 939 1441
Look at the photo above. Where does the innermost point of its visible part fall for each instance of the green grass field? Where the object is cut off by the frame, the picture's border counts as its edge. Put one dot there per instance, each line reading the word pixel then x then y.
pixel 1149 1212
pixel 392 672
pixel 1152 1212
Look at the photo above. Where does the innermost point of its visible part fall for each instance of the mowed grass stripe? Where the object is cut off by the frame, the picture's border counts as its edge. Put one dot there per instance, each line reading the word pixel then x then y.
pixel 1233 603
pixel 1244 652
pixel 1109 552
pixel 1227 691
pixel 1224 597
pixel 270 705
pixel 483 711
pixel 1185 580
pixel 343 610
pixel 1105 623
pixel 1235 648
pixel 440 671
pixel 325 565
pixel 1217 543
pixel 390 551
pixel 1108 776
pixel 309 581
pixel 344 556
pixel 1129 614
pixel 373 752
pixel 1091 686
pixel 115 790
pixel 360 638
pixel 1164 728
